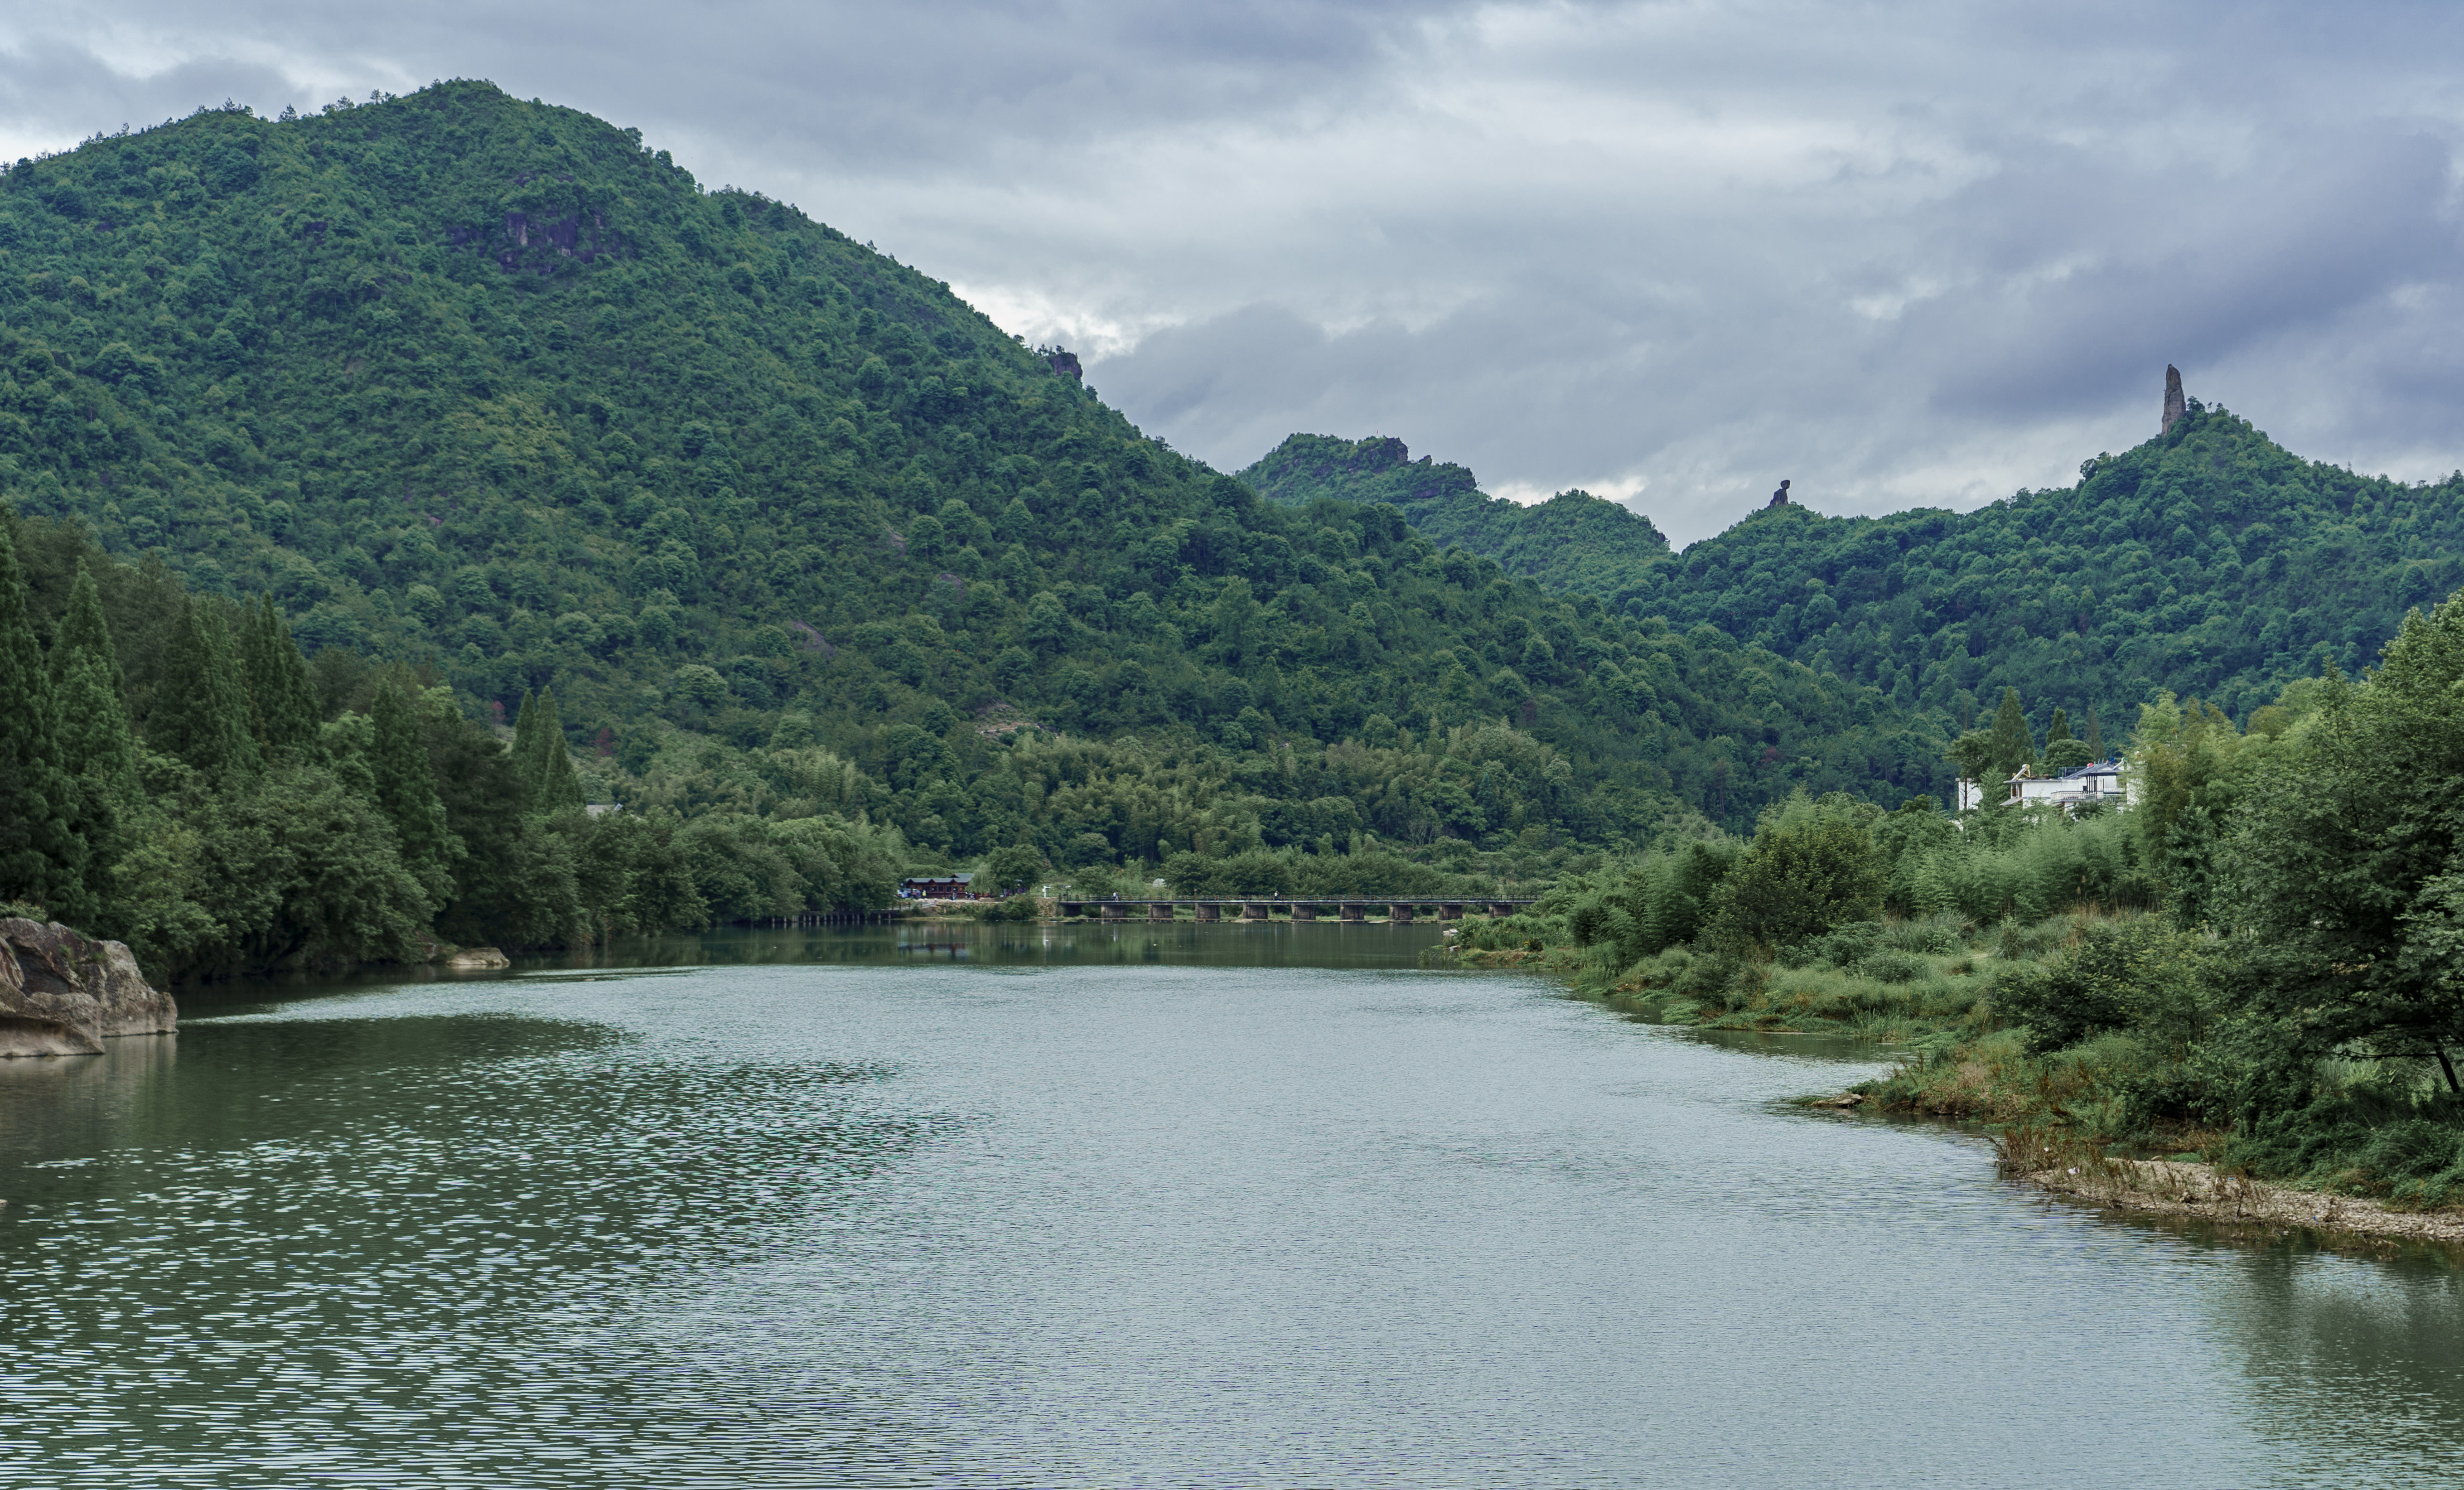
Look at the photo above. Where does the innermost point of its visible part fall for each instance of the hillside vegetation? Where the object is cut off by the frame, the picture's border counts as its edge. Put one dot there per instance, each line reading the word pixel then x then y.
pixel 2208 561
pixel 485 388
pixel 1574 542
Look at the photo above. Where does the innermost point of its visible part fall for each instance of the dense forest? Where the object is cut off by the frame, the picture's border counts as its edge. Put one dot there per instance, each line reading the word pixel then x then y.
pixel 2208 561
pixel 1574 543
pixel 483 389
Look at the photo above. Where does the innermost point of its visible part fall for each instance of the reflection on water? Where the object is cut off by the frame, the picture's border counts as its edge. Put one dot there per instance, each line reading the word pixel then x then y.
pixel 1108 1206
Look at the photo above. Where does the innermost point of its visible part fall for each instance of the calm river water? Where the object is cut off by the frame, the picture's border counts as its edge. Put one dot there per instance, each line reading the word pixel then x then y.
pixel 1220 1206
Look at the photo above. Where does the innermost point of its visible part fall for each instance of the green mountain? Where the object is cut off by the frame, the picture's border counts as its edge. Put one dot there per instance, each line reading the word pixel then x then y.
pixel 792 533
pixel 2208 561
pixel 1574 542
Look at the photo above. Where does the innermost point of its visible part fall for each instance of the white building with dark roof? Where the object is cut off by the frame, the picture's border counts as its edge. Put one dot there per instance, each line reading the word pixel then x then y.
pixel 2103 781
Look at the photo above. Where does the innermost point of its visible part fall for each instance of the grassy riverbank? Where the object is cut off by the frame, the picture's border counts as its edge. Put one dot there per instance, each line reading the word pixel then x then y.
pixel 2104 1051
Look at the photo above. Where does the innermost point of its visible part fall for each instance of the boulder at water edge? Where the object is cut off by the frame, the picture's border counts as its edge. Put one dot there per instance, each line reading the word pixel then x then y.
pixel 64 993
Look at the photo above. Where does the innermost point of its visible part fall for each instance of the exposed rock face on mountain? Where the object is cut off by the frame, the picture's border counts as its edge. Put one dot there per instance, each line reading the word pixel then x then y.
pixel 64 993
pixel 2175 406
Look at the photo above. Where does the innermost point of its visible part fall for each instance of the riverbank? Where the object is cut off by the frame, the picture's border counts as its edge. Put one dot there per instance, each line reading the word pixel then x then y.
pixel 2096 1121
pixel 2204 1192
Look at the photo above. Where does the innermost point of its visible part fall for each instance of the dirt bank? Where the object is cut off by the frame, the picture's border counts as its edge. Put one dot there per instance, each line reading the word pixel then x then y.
pixel 2171 1186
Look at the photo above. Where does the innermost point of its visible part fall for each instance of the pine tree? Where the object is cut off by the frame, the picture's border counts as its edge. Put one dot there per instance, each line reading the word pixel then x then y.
pixel 202 713
pixel 2012 746
pixel 406 791
pixel 89 692
pixel 2059 729
pixel 84 627
pixel 525 746
pixel 285 705
pixel 548 777
pixel 42 860
pixel 95 740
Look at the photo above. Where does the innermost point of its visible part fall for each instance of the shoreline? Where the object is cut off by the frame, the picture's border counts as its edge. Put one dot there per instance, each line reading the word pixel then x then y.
pixel 2186 1189
pixel 2200 1191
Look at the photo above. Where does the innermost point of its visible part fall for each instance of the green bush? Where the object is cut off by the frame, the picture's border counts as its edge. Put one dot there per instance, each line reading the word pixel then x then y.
pixel 1812 867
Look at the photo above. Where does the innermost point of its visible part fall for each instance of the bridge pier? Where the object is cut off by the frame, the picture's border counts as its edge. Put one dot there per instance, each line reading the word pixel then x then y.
pixel 1399 913
pixel 1256 910
pixel 1158 911
pixel 1208 910
pixel 1350 910
pixel 1302 913
pixel 1114 911
pixel 1450 913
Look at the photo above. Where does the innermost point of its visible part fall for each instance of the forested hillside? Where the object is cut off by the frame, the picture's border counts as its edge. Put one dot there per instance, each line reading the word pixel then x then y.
pixel 1574 542
pixel 483 386
pixel 2208 561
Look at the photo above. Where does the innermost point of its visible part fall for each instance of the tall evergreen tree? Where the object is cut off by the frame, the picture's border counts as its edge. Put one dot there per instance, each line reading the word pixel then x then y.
pixel 524 750
pixel 202 713
pixel 284 701
pixel 42 860
pixel 2060 727
pixel 84 627
pixel 2012 746
pixel 548 777
pixel 406 791
pixel 96 743
pixel 89 692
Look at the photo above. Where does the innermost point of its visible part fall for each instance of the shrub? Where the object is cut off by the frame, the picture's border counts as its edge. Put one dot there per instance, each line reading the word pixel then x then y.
pixel 1934 935
pixel 1812 867
pixel 2137 972
pixel 1885 966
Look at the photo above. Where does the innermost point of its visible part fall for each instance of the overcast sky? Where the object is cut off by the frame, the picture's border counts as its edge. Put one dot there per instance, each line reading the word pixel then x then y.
pixel 1900 254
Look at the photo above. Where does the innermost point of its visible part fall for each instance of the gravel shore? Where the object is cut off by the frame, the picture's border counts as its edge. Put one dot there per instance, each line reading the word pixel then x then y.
pixel 2165 1186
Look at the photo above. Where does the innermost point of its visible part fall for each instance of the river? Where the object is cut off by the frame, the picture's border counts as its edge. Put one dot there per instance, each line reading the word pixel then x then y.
pixel 1220 1206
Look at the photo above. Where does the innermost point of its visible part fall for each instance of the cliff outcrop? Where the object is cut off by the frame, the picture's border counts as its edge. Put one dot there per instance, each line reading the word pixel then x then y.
pixel 64 993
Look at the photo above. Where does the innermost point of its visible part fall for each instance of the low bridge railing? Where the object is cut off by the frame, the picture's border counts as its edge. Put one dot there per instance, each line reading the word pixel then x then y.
pixel 1311 908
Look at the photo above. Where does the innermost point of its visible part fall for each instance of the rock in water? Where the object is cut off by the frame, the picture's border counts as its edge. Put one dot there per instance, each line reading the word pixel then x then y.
pixel 2173 402
pixel 64 993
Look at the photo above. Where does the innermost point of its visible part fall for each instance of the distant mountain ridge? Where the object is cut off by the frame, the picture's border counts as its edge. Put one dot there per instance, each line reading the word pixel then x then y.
pixel 2208 561
pixel 1574 542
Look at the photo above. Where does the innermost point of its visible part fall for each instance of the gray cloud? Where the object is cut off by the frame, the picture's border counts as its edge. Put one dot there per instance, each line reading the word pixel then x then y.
pixel 1899 253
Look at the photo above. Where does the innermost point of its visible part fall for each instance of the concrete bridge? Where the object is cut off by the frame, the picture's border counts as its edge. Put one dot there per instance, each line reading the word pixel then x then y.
pixel 1397 909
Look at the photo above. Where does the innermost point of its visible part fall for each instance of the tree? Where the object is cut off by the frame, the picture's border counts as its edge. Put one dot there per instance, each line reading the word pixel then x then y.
pixel 525 732
pixel 1007 870
pixel 541 761
pixel 278 681
pixel 42 860
pixel 202 711
pixel 95 741
pixel 1811 867
pixel 2010 746
pixel 397 761
pixel 1972 755
pixel 2346 863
